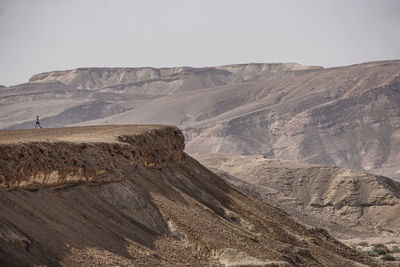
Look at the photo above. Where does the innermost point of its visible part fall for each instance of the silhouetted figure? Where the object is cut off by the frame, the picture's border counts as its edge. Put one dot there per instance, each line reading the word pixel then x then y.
pixel 37 123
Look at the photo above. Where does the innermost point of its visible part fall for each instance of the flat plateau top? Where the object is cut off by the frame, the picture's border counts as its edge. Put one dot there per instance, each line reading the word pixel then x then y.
pixel 103 134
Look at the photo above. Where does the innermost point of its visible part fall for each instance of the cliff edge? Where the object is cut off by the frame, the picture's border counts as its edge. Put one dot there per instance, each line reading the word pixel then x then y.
pixel 96 154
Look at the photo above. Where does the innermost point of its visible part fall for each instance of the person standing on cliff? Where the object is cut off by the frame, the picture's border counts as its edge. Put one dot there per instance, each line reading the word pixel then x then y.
pixel 37 122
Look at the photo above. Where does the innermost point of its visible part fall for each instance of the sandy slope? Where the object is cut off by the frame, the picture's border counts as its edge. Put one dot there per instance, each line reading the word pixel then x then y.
pixel 348 203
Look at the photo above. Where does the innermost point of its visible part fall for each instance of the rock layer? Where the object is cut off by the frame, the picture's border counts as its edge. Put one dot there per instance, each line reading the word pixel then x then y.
pixel 58 163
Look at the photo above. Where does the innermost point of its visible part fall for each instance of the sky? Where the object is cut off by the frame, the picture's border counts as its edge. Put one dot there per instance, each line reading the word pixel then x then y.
pixel 44 35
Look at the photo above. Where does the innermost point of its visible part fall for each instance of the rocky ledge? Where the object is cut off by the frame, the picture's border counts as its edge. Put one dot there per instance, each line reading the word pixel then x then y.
pixel 95 154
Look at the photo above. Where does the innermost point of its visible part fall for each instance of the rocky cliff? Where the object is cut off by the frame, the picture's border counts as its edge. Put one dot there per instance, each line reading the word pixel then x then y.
pixel 61 160
pixel 129 195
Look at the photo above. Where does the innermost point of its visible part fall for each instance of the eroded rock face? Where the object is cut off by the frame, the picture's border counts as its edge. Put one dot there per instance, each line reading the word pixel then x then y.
pixel 144 210
pixel 58 163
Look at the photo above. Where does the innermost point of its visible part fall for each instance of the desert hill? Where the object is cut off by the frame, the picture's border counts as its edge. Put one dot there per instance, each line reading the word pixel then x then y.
pixel 129 195
pixel 134 78
pixel 346 116
pixel 348 203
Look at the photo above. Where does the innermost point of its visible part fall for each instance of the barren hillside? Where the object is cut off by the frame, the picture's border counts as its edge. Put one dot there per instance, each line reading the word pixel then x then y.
pixel 348 203
pixel 129 195
pixel 346 116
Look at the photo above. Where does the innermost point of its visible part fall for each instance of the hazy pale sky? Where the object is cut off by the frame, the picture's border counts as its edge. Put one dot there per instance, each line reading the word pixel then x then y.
pixel 44 35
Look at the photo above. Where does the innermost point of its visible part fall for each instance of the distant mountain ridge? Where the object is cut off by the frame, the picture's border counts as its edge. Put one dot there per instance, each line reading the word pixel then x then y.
pixel 345 116
pixel 97 78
